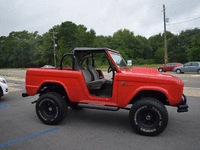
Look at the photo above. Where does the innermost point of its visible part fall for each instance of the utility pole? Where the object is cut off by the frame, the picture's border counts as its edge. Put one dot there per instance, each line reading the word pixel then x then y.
pixel 54 46
pixel 165 37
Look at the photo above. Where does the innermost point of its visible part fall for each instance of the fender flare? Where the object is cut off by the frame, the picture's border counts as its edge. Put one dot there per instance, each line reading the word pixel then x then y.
pixel 149 88
pixel 52 82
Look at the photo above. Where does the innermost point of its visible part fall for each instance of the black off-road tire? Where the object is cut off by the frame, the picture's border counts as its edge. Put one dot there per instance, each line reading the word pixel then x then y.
pixel 51 108
pixel 148 116
pixel 0 93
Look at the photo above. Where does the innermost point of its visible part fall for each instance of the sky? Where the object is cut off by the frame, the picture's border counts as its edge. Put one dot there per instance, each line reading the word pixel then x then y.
pixel 106 17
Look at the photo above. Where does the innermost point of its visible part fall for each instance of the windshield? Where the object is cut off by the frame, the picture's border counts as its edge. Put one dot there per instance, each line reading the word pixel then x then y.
pixel 118 60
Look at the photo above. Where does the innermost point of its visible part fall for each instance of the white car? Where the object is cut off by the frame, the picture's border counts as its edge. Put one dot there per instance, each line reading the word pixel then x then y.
pixel 48 66
pixel 3 87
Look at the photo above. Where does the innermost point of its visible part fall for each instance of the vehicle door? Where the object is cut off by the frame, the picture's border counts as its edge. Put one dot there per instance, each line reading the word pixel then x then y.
pixel 171 67
pixel 96 63
pixel 194 67
pixel 186 67
pixel 167 67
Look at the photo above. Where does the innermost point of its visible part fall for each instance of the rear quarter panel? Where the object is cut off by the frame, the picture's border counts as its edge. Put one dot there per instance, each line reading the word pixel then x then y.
pixel 72 81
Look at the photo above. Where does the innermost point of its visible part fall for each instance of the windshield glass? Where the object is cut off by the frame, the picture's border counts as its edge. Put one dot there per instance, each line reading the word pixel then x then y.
pixel 118 60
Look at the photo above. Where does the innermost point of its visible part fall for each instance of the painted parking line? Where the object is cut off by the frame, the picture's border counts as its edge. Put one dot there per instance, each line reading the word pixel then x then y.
pixel 4 105
pixel 28 137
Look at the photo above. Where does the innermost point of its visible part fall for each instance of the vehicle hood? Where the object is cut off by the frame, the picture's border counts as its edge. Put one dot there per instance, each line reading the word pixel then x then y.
pixel 150 75
pixel 144 70
pixel 1 78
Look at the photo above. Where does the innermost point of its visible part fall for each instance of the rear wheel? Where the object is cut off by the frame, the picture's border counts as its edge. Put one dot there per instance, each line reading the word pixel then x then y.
pixel 198 71
pixel 160 70
pixel 178 71
pixel 51 108
pixel 148 116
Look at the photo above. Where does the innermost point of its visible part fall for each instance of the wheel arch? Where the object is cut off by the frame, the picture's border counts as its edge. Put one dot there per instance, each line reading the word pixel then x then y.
pixel 157 94
pixel 178 69
pixel 53 87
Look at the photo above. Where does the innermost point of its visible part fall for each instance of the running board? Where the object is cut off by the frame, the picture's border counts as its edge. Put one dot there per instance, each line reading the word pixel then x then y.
pixel 100 107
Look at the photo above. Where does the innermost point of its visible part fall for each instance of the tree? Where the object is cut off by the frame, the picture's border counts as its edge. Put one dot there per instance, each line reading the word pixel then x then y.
pixel 24 49
pixel 4 52
pixel 145 47
pixel 159 55
pixel 194 51
pixel 156 42
pixel 69 36
pixel 181 47
pixel 127 44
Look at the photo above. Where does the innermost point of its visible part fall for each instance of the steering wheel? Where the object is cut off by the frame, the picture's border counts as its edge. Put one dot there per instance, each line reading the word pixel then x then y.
pixel 109 69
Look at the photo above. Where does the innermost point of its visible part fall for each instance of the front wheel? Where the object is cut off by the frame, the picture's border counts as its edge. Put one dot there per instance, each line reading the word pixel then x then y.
pixel 51 108
pixel 178 71
pixel 148 116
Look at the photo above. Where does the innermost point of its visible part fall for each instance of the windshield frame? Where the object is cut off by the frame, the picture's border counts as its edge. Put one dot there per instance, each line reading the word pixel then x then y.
pixel 118 59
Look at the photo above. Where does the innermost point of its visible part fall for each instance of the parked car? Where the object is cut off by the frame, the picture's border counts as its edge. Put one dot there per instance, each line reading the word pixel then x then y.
pixel 3 87
pixel 188 67
pixel 168 67
pixel 48 66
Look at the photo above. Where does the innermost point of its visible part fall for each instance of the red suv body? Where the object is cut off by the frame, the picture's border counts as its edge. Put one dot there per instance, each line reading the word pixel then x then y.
pixel 85 86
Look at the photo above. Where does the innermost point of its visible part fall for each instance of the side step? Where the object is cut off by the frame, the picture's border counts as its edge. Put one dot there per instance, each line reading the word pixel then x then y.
pixel 100 107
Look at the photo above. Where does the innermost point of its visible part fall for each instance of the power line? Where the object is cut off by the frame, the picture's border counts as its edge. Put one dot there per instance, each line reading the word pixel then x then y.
pixel 185 21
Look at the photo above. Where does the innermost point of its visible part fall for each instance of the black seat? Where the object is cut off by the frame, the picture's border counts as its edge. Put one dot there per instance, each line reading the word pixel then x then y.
pixel 77 65
pixel 96 82
pixel 90 75
pixel 92 85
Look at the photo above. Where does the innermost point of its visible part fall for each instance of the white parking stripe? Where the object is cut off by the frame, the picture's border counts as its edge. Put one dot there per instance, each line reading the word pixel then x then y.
pixel 195 75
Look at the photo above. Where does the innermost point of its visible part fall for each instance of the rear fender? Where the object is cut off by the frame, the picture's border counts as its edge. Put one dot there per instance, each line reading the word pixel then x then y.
pixel 32 90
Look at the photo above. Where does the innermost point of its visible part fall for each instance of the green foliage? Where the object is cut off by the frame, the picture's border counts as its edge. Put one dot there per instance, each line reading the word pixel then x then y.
pixel 141 61
pixel 156 42
pixel 24 49
pixel 194 51
pixel 159 55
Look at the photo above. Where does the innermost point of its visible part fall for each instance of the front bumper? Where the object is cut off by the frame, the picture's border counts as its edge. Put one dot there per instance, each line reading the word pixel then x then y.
pixel 182 106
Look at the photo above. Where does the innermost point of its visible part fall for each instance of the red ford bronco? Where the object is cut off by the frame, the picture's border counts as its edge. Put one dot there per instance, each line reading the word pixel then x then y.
pixel 83 84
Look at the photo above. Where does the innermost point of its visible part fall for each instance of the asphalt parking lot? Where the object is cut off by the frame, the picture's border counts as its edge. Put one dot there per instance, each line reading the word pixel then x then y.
pixel 93 129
